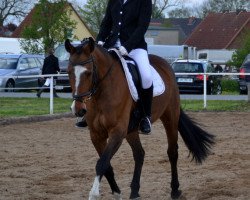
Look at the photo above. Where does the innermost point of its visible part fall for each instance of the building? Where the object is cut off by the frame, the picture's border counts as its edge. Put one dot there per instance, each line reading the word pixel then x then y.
pixel 220 31
pixel 81 31
pixel 171 31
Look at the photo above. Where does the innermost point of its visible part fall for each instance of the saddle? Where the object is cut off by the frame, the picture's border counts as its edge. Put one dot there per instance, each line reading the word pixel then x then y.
pixel 133 77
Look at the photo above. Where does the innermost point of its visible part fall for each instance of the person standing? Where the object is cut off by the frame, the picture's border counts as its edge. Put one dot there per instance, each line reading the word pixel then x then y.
pixel 50 66
pixel 124 26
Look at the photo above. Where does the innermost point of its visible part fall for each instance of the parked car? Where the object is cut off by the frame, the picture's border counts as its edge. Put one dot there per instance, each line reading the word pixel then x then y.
pixel 195 83
pixel 244 80
pixel 63 58
pixel 19 65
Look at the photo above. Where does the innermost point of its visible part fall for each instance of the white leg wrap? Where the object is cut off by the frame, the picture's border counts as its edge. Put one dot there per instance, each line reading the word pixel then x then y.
pixel 117 196
pixel 94 192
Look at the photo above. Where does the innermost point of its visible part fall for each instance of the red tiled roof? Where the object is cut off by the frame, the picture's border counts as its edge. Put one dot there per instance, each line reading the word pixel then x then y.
pixel 219 30
pixel 26 22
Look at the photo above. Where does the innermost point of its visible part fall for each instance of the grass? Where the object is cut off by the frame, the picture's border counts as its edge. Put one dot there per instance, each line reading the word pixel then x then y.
pixel 17 107
pixel 213 105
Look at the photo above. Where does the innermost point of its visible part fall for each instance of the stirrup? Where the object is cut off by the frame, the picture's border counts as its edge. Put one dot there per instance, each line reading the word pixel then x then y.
pixel 145 126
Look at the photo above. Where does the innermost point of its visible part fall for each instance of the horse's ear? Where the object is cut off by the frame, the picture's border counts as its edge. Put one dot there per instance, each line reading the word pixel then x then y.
pixel 69 47
pixel 91 44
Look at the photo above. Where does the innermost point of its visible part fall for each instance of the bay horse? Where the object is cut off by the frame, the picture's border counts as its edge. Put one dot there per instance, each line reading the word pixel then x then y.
pixel 98 83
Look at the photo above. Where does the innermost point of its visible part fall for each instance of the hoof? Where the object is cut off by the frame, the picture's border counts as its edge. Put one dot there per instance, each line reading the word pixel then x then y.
pixel 117 196
pixel 135 196
pixel 176 194
pixel 94 197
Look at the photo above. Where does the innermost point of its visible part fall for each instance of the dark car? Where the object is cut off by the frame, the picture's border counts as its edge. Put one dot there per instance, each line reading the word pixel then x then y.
pixel 18 65
pixel 195 83
pixel 63 58
pixel 244 80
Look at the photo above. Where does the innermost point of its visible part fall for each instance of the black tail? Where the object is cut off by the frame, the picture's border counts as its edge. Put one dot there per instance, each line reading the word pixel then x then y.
pixel 198 141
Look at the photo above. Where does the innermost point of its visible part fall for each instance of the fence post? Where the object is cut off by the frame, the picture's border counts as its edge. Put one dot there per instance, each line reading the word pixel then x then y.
pixel 248 92
pixel 205 90
pixel 51 92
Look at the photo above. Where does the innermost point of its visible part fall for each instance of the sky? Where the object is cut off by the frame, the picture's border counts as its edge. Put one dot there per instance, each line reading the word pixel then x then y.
pixel 82 2
pixel 188 2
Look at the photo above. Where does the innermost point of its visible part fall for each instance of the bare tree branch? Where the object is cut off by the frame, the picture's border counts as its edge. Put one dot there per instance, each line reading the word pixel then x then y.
pixel 14 8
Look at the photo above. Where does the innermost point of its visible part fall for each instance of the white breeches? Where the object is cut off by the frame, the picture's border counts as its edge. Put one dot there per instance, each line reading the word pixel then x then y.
pixel 141 58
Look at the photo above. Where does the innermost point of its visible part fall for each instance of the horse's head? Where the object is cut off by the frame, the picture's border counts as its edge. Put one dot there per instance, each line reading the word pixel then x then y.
pixel 82 73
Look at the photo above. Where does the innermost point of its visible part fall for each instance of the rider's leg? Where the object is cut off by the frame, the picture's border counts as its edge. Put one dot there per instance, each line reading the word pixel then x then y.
pixel 141 58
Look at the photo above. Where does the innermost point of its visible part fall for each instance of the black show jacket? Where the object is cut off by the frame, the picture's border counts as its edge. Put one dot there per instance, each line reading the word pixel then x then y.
pixel 128 21
pixel 50 65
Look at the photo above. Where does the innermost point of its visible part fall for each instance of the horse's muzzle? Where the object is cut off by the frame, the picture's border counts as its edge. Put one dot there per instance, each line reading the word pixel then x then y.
pixel 78 109
pixel 81 112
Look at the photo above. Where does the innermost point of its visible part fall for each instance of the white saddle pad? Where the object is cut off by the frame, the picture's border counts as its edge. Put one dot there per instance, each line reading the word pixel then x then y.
pixel 159 86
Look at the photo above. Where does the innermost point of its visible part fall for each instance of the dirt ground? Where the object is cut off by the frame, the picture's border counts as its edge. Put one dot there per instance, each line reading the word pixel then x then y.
pixel 54 160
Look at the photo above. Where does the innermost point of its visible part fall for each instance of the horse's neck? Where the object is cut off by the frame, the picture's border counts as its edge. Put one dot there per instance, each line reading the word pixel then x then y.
pixel 112 82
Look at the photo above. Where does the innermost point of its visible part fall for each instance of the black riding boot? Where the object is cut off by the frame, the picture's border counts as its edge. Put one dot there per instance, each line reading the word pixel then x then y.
pixel 146 99
pixel 38 94
pixel 54 93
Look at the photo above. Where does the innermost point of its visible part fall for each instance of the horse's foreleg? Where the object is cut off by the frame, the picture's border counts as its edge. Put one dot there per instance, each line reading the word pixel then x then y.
pixel 111 180
pixel 103 166
pixel 138 154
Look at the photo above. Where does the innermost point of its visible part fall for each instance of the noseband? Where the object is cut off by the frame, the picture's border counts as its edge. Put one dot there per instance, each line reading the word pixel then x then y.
pixel 83 97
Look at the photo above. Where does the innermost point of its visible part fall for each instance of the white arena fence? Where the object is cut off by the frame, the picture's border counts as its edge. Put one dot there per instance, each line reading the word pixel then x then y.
pixel 52 76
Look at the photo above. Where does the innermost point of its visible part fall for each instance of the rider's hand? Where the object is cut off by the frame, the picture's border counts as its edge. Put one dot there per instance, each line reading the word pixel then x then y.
pixel 101 43
pixel 123 51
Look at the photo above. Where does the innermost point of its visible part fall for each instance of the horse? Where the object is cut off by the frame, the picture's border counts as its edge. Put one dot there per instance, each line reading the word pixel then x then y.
pixel 100 87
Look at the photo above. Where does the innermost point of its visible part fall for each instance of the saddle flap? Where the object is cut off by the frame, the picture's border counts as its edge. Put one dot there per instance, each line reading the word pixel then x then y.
pixel 133 77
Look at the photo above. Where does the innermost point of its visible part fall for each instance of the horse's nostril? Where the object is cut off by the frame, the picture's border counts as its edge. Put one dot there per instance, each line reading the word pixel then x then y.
pixel 82 112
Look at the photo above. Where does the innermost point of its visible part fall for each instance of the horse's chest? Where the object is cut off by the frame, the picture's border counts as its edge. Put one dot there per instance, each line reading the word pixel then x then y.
pixel 99 122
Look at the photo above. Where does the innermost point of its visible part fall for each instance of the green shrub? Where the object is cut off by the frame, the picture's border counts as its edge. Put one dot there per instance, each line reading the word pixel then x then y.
pixel 229 85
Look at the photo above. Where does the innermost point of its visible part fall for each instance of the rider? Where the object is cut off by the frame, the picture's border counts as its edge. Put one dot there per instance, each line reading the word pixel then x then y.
pixel 124 26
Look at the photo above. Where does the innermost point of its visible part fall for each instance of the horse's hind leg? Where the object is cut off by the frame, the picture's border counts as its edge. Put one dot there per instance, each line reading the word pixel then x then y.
pixel 170 123
pixel 138 154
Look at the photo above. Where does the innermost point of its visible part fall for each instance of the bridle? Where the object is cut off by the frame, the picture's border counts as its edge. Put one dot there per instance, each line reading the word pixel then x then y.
pixel 85 96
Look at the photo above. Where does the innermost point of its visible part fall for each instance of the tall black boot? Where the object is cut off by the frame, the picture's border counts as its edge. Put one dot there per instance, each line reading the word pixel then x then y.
pixel 38 94
pixel 146 99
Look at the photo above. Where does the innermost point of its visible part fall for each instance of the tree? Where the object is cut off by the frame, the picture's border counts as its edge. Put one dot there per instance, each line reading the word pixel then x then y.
pixel 222 5
pixel 240 54
pixel 51 24
pixel 160 6
pixel 93 13
pixel 13 8
pixel 183 12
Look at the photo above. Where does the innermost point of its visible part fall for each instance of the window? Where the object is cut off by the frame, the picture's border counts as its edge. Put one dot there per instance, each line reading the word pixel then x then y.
pixel 61 53
pixel 188 67
pixel 32 62
pixel 8 63
pixel 24 64
pixel 202 56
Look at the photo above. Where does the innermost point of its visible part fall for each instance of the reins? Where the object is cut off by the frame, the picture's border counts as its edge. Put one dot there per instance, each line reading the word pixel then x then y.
pixel 85 96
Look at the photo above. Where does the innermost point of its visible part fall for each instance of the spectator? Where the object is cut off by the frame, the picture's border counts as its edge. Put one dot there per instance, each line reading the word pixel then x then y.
pixel 218 68
pixel 50 66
